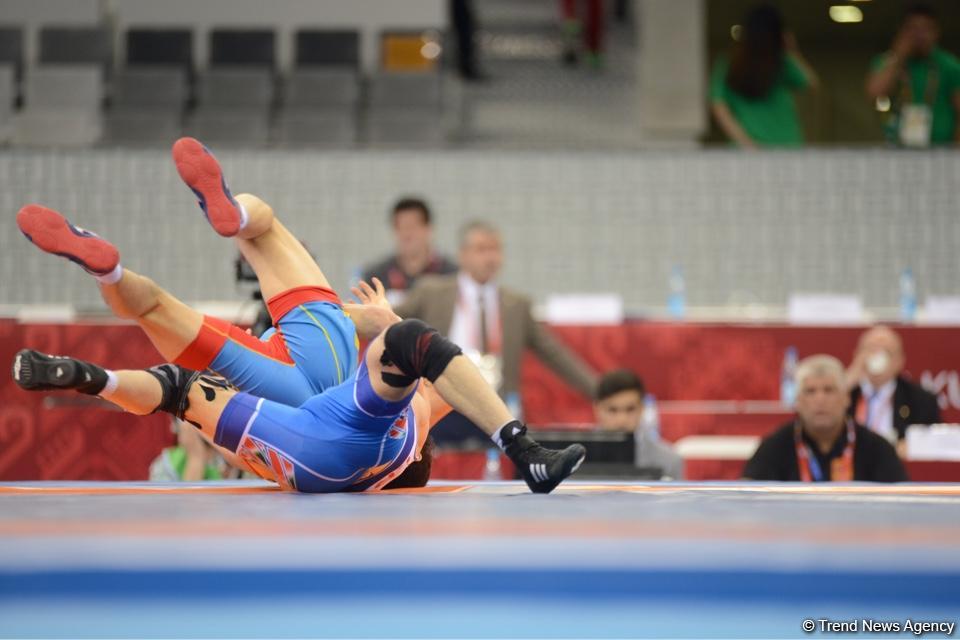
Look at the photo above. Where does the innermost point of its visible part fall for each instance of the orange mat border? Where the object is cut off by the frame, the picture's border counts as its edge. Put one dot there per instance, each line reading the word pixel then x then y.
pixel 192 490
pixel 907 490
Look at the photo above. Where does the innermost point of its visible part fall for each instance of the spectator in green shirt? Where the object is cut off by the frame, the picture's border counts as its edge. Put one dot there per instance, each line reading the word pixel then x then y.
pixel 193 459
pixel 921 81
pixel 751 91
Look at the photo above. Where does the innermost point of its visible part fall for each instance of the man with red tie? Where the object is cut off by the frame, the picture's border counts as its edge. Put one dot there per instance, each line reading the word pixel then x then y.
pixel 492 323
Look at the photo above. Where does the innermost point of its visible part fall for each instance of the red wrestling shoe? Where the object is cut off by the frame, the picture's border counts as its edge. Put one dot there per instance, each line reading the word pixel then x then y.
pixel 54 234
pixel 200 171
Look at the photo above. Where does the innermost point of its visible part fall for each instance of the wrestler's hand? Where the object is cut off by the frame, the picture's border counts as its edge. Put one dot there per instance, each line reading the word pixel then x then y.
pixel 375 296
pixel 371 320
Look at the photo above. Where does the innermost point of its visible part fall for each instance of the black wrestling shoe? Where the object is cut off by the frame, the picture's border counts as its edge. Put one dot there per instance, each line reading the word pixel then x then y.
pixel 542 469
pixel 35 371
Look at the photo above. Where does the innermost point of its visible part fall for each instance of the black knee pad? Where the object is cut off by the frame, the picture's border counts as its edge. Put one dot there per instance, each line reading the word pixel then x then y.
pixel 175 383
pixel 418 350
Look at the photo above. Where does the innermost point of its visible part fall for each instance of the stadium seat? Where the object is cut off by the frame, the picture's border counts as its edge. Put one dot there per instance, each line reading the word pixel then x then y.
pixel 315 48
pixel 60 86
pixel 147 105
pixel 235 88
pixel 233 105
pixel 61 106
pixel 405 108
pixel 322 88
pixel 150 87
pixel 410 51
pixel 236 93
pixel 76 45
pixel 319 107
pixel 322 94
pixel 165 47
pixel 253 47
pixel 11 49
pixel 404 90
pixel 8 94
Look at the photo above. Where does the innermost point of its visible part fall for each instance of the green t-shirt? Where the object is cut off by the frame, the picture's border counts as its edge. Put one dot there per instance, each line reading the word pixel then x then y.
pixel 948 84
pixel 771 120
pixel 172 462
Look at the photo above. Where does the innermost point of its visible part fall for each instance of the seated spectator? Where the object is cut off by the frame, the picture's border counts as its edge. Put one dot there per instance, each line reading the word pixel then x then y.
pixel 192 460
pixel 751 90
pixel 414 257
pixel 921 82
pixel 619 407
pixel 880 397
pixel 823 443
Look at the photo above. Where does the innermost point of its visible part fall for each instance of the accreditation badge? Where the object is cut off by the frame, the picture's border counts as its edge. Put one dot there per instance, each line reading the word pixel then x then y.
pixel 841 470
pixel 916 125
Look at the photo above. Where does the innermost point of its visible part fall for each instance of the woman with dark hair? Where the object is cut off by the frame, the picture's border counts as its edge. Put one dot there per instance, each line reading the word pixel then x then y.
pixel 751 90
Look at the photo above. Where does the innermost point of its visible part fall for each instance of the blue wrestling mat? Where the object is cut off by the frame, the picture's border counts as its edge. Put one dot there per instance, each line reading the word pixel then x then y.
pixel 730 560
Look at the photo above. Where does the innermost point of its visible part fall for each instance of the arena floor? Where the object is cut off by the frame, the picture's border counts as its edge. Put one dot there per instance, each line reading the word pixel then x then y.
pixel 617 560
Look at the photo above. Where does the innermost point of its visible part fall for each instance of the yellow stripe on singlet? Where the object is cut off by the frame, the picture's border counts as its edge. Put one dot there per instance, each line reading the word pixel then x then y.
pixel 336 360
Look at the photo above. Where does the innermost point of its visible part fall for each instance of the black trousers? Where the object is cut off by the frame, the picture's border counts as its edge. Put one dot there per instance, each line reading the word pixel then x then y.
pixel 464 28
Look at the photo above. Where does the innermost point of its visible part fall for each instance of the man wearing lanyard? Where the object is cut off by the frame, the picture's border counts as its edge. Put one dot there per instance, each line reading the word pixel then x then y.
pixel 918 83
pixel 822 443
pixel 881 398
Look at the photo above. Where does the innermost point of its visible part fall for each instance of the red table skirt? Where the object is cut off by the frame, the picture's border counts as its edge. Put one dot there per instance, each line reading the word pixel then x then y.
pixel 65 437
pixel 741 362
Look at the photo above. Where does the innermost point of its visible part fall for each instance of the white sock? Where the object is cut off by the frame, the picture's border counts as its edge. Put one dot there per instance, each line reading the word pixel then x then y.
pixel 113 277
pixel 244 218
pixel 496 437
pixel 111 385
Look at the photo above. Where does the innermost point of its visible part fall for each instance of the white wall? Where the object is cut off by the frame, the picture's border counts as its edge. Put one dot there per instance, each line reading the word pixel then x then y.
pixel 747 228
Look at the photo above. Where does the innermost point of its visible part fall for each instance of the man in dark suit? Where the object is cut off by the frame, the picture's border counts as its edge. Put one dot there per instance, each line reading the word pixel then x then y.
pixel 881 398
pixel 491 322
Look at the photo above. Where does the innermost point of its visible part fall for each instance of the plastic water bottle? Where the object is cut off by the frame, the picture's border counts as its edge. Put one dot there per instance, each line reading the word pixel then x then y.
pixel 677 302
pixel 788 388
pixel 650 418
pixel 908 296
pixel 491 471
